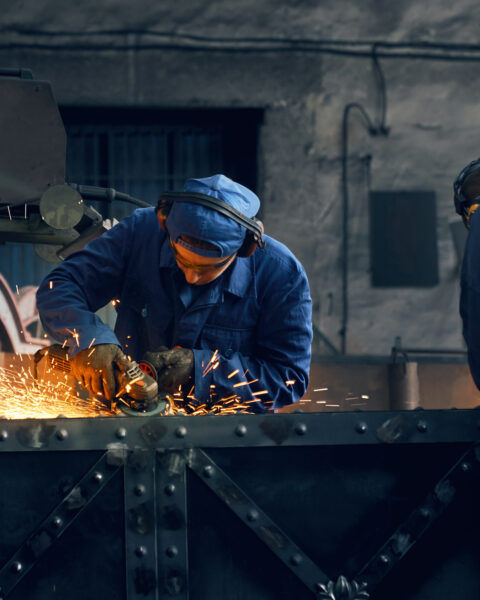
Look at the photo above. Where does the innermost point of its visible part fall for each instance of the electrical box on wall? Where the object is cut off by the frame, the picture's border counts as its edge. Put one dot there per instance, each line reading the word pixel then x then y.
pixel 403 238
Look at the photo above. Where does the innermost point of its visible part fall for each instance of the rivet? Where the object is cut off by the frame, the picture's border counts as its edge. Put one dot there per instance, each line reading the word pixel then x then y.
pixel 171 551
pixel 300 429
pixel 241 430
pixel 384 559
pixel 465 467
pixel 361 427
pixel 3 435
pixel 57 522
pixel 181 432
pixel 295 559
pixel 62 434
pixel 97 477
pixel 140 551
pixel 139 489
pixel 169 489
pixel 121 433
pixel 16 567
pixel 208 471
pixel 422 426
pixel 425 513
pixel 252 515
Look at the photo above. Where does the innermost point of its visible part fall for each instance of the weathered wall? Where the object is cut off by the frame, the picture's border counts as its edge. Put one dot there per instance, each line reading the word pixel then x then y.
pixel 432 115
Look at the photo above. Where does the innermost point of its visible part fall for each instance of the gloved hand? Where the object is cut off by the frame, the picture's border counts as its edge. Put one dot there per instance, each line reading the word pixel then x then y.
pixel 96 370
pixel 174 367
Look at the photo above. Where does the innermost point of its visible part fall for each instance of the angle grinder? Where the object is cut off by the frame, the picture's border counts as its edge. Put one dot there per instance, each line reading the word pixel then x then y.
pixel 136 388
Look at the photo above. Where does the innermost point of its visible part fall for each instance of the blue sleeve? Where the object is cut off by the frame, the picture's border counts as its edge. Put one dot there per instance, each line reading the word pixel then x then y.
pixel 87 280
pixel 470 297
pixel 280 363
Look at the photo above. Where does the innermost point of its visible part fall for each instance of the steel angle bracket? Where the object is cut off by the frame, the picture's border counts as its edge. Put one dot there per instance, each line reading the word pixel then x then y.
pixel 57 522
pixel 257 521
pixel 419 521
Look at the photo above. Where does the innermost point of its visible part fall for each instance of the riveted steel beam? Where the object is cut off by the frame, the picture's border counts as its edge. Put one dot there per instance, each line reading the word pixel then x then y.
pixel 456 480
pixel 257 520
pixel 57 522
pixel 314 429
pixel 140 524
pixel 172 525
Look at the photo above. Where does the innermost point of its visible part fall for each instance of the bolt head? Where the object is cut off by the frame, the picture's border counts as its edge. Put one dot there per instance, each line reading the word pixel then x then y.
pixel 171 551
pixel 384 560
pixel 139 490
pixel 97 477
pixel 121 433
pixel 181 432
pixel 300 429
pixel 140 551
pixel 295 559
pixel 252 515
pixel 169 489
pixel 361 427
pixel 208 471
pixel 62 434
pixel 3 435
pixel 57 522
pixel 422 426
pixel 17 567
pixel 425 513
pixel 241 430
pixel 465 466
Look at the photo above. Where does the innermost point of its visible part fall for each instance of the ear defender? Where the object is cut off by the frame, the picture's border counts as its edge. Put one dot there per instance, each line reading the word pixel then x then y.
pixel 163 209
pixel 255 229
pixel 251 241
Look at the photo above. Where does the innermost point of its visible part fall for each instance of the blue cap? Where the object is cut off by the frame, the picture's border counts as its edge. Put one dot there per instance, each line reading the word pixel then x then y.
pixel 207 224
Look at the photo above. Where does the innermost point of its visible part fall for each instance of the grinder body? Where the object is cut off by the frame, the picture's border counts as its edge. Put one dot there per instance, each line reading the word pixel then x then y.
pixel 136 391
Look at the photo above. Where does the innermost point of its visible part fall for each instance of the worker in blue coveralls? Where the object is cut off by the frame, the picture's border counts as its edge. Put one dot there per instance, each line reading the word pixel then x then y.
pixel 466 190
pixel 190 278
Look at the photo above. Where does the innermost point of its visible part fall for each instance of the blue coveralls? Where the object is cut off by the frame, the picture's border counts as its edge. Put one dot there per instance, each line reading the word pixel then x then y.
pixel 257 314
pixel 470 296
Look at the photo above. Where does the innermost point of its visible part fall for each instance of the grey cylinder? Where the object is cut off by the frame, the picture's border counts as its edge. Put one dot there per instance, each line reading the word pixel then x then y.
pixel 404 386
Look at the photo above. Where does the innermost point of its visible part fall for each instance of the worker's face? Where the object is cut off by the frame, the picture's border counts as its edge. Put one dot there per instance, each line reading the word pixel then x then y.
pixel 199 270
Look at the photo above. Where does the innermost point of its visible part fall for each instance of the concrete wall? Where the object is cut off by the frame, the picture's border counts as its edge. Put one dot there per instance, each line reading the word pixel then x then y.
pixel 432 114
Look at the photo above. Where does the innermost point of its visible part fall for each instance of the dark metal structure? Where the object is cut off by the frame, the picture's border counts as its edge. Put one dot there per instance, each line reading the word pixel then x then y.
pixel 334 506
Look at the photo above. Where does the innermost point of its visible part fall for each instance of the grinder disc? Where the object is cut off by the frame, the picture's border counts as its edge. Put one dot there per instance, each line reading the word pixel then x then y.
pixel 159 408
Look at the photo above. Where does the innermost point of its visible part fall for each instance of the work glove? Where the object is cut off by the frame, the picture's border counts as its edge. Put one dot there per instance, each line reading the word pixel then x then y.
pixel 95 368
pixel 174 367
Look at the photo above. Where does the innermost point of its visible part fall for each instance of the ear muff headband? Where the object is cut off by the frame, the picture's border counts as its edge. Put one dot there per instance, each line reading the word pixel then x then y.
pixel 254 226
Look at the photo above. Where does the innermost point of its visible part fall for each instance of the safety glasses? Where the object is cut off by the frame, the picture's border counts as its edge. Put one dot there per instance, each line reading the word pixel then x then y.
pixel 198 268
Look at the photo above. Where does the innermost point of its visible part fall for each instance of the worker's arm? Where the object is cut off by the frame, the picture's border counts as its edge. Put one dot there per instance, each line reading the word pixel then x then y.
pixel 69 296
pixel 280 361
